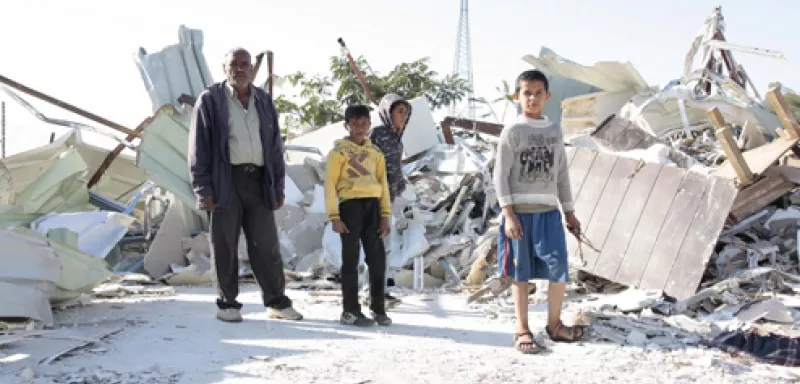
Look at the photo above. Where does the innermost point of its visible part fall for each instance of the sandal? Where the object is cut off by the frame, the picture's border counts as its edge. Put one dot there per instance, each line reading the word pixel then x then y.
pixel 528 347
pixel 576 333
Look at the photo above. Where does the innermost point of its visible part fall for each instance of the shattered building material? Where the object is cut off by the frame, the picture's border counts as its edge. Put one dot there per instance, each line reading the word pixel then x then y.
pixel 656 226
pixel 163 153
pixel 608 86
pixel 419 135
pixel 756 160
pixel 175 70
pixel 617 134
pixel 481 126
pixel 97 232
pixel 37 348
pixel 69 107
pixel 167 247
pixel 123 175
pixel 759 195
pixel 735 158
pixel 49 272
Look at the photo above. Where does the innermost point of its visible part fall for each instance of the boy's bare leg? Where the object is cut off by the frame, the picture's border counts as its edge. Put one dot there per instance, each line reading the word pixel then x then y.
pixel 555 300
pixel 520 293
pixel 523 339
pixel 555 328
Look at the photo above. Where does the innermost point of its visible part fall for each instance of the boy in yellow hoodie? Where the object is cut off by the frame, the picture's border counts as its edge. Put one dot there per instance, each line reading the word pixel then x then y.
pixel 358 204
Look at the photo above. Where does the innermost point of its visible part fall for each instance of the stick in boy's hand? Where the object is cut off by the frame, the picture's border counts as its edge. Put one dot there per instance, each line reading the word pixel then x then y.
pixel 339 227
pixel 574 230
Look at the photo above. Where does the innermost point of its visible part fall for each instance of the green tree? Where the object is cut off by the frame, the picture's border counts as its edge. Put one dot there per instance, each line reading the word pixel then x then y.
pixel 322 99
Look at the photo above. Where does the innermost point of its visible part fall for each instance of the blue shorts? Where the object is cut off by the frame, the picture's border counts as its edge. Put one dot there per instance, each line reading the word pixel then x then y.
pixel 541 254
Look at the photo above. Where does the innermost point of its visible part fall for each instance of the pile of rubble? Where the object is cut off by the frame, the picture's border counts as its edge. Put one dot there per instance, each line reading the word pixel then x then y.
pixel 687 194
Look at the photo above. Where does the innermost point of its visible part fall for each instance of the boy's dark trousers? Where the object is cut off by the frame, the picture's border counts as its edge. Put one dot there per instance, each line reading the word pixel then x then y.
pixel 362 218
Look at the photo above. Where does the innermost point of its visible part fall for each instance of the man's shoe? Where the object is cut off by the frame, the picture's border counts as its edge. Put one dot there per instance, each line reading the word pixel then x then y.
pixel 357 319
pixel 229 315
pixel 382 319
pixel 288 313
pixel 389 301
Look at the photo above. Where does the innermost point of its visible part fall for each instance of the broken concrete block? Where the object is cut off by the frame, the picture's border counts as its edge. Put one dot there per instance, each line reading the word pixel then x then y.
pixel 770 310
pixel 317 200
pixel 636 338
pixel 308 236
pixel 307 263
pixel 316 167
pixel 289 216
pixel 304 179
pixel 191 275
pixel 199 243
pixel 200 259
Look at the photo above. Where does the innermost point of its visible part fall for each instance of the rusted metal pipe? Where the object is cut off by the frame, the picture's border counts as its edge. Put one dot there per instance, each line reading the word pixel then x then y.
pixel 120 147
pixel 52 100
pixel 270 71
pixel 346 52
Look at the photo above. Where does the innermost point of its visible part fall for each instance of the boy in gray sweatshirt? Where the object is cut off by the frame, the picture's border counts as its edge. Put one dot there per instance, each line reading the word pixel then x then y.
pixel 531 178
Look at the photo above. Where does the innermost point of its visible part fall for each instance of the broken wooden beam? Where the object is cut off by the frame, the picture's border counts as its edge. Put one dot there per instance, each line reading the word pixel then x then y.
pixel 726 140
pixel 760 194
pixel 757 160
pixel 480 126
pixel 788 119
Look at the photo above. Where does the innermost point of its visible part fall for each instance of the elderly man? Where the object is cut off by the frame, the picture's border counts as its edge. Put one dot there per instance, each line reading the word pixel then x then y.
pixel 237 172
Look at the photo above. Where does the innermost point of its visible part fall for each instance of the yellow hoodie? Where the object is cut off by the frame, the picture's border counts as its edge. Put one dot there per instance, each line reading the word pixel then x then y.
pixel 355 171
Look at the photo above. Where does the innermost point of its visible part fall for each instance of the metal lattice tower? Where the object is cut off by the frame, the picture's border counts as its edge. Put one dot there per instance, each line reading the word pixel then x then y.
pixel 462 62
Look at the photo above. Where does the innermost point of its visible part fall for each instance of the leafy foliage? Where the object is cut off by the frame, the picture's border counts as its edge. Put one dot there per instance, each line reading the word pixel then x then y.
pixel 322 99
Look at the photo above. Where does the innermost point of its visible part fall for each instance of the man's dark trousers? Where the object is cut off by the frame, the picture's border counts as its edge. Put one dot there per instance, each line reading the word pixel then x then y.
pixel 362 218
pixel 248 212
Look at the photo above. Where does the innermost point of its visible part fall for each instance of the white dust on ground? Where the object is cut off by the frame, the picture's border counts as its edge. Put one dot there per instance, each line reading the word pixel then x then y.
pixel 436 338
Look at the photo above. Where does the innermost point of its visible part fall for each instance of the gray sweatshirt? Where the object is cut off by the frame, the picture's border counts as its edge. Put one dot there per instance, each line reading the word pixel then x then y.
pixel 531 172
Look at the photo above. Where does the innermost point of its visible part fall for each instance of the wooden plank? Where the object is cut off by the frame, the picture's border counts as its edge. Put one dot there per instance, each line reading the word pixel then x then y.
pixel 760 194
pixel 790 172
pixel 674 230
pixel 590 193
pixel 599 225
pixel 581 164
pixel 759 159
pixel 729 146
pixel 570 152
pixel 695 253
pixel 627 218
pixel 578 171
pixel 788 119
pixel 690 265
pixel 646 233
pixel 480 126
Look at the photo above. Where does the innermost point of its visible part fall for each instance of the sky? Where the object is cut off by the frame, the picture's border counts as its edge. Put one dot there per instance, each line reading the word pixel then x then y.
pixel 81 51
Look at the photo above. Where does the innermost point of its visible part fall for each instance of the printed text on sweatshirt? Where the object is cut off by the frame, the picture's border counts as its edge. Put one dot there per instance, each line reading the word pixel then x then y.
pixel 531 172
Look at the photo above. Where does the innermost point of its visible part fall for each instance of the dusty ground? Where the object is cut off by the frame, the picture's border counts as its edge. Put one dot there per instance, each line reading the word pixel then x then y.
pixel 436 338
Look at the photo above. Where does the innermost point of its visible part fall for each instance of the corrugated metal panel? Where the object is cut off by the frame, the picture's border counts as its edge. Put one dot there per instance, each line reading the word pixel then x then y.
pixel 164 150
pixel 177 69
